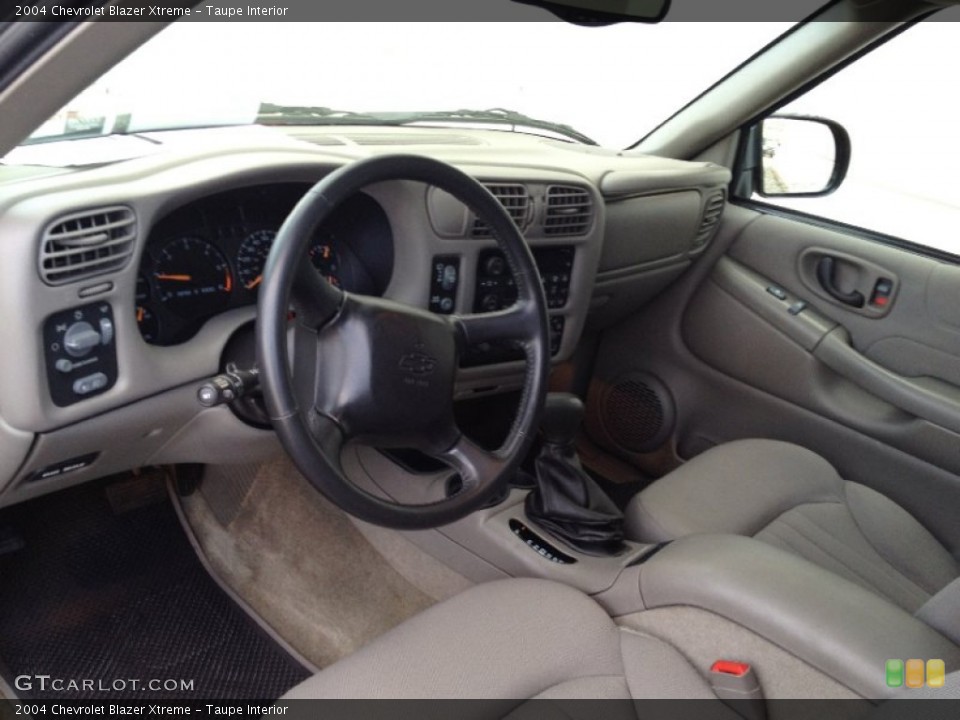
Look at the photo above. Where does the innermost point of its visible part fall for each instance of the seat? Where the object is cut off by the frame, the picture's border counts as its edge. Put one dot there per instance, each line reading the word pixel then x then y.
pixel 510 639
pixel 792 498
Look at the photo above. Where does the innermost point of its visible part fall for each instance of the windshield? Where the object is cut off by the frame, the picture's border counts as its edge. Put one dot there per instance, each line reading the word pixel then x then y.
pixel 607 85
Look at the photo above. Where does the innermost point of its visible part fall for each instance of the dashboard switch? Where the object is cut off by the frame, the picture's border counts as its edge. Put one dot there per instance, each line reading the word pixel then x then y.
pixel 106 331
pixel 229 386
pixel 80 352
pixel 444 281
pixel 90 384
pixel 80 339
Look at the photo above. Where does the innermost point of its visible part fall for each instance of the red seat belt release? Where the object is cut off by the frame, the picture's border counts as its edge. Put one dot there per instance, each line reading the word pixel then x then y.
pixel 736 684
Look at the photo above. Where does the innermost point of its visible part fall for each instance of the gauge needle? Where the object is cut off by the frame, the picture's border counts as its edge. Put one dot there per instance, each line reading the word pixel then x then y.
pixel 140 314
pixel 253 283
pixel 175 278
pixel 228 283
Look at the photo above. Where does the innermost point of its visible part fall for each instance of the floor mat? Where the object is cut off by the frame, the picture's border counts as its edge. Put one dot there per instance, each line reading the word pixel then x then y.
pixel 120 604
pixel 298 560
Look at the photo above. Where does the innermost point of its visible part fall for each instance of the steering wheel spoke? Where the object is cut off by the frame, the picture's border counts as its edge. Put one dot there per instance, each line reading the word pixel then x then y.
pixel 472 462
pixel 511 324
pixel 315 300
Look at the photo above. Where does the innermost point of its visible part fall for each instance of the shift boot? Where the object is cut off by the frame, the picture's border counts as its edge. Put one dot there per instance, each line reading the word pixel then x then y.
pixel 567 502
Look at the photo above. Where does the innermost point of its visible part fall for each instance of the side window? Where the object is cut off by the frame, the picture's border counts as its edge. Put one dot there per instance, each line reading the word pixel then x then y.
pixel 898 105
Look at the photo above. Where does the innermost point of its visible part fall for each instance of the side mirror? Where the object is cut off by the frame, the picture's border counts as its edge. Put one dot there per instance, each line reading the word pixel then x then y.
pixel 801 156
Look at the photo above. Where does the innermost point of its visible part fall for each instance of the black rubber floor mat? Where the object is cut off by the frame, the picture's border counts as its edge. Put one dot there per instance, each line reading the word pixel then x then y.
pixel 119 607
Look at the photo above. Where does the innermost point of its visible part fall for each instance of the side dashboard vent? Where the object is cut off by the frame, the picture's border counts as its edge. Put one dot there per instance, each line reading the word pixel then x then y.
pixel 569 211
pixel 712 212
pixel 514 198
pixel 85 244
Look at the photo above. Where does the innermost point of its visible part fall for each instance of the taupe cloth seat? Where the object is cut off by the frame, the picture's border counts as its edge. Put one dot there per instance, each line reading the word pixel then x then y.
pixel 520 639
pixel 792 498
pixel 510 641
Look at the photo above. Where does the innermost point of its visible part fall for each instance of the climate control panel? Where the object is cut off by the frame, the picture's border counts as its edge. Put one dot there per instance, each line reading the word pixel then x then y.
pixel 495 286
pixel 80 353
pixel 496 290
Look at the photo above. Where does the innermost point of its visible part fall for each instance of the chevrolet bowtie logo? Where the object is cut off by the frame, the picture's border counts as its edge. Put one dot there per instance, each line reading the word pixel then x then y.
pixel 418 364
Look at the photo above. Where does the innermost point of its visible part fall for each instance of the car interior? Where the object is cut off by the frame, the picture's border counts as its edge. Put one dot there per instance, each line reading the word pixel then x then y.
pixel 468 406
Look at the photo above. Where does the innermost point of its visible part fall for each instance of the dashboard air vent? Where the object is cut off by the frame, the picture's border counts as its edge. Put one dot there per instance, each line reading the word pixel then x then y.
pixel 569 211
pixel 85 244
pixel 514 198
pixel 712 212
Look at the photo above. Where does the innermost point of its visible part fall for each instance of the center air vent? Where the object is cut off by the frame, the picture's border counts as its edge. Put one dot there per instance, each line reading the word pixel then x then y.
pixel 712 212
pixel 569 211
pixel 514 199
pixel 85 244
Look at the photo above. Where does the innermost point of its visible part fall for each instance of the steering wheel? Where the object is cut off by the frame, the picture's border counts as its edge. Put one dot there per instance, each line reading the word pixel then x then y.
pixel 381 372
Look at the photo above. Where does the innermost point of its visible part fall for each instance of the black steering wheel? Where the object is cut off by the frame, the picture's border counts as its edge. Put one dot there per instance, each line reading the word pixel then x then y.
pixel 383 373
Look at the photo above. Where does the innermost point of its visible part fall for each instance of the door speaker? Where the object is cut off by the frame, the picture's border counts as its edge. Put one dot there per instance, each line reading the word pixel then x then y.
pixel 637 413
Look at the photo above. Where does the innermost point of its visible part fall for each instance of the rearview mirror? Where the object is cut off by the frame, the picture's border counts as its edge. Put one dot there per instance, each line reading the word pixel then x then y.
pixel 604 12
pixel 802 156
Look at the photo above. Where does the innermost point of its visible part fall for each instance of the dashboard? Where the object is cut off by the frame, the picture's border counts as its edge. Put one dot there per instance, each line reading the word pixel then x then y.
pixel 207 257
pixel 130 284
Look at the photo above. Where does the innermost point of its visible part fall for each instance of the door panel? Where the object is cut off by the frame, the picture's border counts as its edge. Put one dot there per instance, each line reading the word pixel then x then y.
pixel 739 364
pixel 820 352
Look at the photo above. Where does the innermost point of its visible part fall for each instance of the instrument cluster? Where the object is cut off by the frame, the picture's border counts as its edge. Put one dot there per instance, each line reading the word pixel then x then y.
pixel 207 257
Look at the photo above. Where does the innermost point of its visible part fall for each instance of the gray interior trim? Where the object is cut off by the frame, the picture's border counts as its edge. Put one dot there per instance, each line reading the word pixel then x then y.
pixel 482 546
pixel 942 611
pixel 930 399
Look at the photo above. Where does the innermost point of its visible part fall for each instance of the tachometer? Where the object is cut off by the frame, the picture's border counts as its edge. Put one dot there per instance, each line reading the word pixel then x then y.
pixel 192 277
pixel 252 256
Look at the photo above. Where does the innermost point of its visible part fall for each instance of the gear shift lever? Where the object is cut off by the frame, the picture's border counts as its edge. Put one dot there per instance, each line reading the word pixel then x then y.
pixel 567 502
pixel 562 415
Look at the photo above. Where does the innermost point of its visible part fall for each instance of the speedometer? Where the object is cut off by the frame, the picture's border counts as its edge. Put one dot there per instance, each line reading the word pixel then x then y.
pixel 252 256
pixel 192 277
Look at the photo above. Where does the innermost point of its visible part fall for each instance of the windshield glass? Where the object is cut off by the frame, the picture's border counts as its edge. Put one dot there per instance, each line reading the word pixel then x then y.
pixel 609 85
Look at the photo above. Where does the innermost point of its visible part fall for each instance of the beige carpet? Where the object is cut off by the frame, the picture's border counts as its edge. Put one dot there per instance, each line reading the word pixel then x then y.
pixel 298 561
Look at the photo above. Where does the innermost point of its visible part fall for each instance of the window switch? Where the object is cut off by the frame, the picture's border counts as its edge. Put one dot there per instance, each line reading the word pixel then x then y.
pixel 778 292
pixel 881 293
pixel 798 307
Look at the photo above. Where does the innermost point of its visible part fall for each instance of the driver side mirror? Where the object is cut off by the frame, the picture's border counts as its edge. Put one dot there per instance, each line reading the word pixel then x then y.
pixel 801 156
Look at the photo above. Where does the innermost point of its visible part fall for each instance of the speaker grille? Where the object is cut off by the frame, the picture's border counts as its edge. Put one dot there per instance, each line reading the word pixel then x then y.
pixel 638 413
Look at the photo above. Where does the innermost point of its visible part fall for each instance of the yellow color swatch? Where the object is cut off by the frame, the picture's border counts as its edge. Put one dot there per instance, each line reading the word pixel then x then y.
pixel 915 673
pixel 936 673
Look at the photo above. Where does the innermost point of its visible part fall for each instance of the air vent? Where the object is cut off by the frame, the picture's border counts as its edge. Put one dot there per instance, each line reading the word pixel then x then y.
pixel 713 211
pixel 514 198
pixel 569 211
pixel 85 244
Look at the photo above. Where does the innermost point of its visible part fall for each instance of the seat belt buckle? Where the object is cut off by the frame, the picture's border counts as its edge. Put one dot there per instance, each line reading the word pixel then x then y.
pixel 737 686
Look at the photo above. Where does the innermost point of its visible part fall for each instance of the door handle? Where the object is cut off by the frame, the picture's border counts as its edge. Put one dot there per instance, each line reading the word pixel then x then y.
pixel 826 270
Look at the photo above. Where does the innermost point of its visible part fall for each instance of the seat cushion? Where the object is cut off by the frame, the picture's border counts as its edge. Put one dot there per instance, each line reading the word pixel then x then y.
pixel 510 640
pixel 792 498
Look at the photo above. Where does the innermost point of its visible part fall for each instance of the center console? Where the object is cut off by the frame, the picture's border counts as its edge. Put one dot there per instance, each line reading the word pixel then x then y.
pixel 834 628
